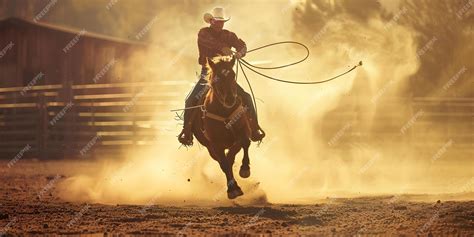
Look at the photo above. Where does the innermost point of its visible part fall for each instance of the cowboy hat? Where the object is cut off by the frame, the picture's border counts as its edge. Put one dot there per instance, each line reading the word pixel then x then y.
pixel 217 14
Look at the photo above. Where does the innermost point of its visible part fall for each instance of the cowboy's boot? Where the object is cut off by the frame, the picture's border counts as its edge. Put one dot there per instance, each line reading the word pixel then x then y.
pixel 186 135
pixel 257 132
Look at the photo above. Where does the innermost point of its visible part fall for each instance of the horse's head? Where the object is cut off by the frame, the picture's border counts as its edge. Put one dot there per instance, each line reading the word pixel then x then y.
pixel 222 80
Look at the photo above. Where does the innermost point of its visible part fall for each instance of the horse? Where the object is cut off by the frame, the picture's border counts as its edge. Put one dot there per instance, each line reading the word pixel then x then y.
pixel 222 122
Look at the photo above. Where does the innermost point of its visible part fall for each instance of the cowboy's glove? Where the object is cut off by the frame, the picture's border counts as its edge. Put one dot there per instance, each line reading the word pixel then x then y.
pixel 226 51
pixel 241 53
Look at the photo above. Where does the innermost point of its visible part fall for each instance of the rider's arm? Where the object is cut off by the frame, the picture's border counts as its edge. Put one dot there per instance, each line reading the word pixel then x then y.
pixel 238 44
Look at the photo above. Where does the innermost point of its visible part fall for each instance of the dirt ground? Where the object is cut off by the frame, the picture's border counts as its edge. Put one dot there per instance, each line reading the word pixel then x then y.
pixel 28 206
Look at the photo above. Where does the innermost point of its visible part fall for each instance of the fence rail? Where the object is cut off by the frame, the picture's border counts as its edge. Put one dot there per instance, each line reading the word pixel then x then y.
pixel 57 121
pixel 62 121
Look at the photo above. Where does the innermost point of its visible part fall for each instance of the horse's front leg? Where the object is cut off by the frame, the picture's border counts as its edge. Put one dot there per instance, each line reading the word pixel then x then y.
pixel 234 149
pixel 233 190
pixel 244 171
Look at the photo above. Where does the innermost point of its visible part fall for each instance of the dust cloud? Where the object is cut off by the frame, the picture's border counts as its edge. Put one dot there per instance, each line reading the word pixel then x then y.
pixel 310 151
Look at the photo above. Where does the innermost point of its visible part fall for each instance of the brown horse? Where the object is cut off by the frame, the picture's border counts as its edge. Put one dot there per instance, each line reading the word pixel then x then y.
pixel 222 123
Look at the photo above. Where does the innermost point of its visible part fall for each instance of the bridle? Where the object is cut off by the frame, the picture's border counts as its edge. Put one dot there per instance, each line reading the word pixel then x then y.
pixel 226 120
pixel 220 99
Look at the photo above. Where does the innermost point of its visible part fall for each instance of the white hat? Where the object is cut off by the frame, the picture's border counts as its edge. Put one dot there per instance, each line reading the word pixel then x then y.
pixel 218 14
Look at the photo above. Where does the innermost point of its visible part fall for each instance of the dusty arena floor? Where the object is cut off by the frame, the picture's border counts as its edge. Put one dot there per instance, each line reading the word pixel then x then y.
pixel 28 206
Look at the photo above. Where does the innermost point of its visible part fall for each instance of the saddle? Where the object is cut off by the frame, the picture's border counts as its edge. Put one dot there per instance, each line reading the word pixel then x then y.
pixel 227 121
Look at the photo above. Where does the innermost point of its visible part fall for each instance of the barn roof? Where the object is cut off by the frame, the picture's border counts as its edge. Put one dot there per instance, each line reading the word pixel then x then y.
pixel 73 31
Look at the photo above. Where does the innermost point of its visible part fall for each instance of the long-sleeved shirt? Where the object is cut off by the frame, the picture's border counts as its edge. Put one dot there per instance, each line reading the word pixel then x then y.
pixel 211 43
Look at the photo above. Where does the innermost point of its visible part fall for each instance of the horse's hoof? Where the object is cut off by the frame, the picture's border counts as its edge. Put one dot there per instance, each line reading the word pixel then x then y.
pixel 244 172
pixel 234 193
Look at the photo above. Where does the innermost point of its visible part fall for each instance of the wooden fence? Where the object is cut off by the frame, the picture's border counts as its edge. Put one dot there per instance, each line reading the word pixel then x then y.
pixel 421 124
pixel 57 121
pixel 62 121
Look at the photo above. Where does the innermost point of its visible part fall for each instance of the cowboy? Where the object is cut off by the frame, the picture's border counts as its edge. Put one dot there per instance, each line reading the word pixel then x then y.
pixel 214 41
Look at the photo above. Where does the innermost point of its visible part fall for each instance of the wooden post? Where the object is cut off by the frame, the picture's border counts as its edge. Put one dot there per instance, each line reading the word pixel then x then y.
pixel 69 121
pixel 42 136
pixel 134 117
pixel 94 128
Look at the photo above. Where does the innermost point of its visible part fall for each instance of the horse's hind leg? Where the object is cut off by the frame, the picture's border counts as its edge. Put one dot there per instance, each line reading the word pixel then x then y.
pixel 244 171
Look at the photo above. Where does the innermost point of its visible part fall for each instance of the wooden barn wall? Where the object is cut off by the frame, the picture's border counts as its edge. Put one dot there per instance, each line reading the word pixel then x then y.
pixel 8 64
pixel 39 49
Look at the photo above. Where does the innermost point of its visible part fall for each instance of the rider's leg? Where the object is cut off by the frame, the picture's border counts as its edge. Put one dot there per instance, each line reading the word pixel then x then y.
pixel 199 90
pixel 257 133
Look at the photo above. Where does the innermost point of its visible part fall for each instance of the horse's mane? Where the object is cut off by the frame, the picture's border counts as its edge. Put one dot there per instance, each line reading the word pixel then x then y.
pixel 216 60
pixel 210 75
